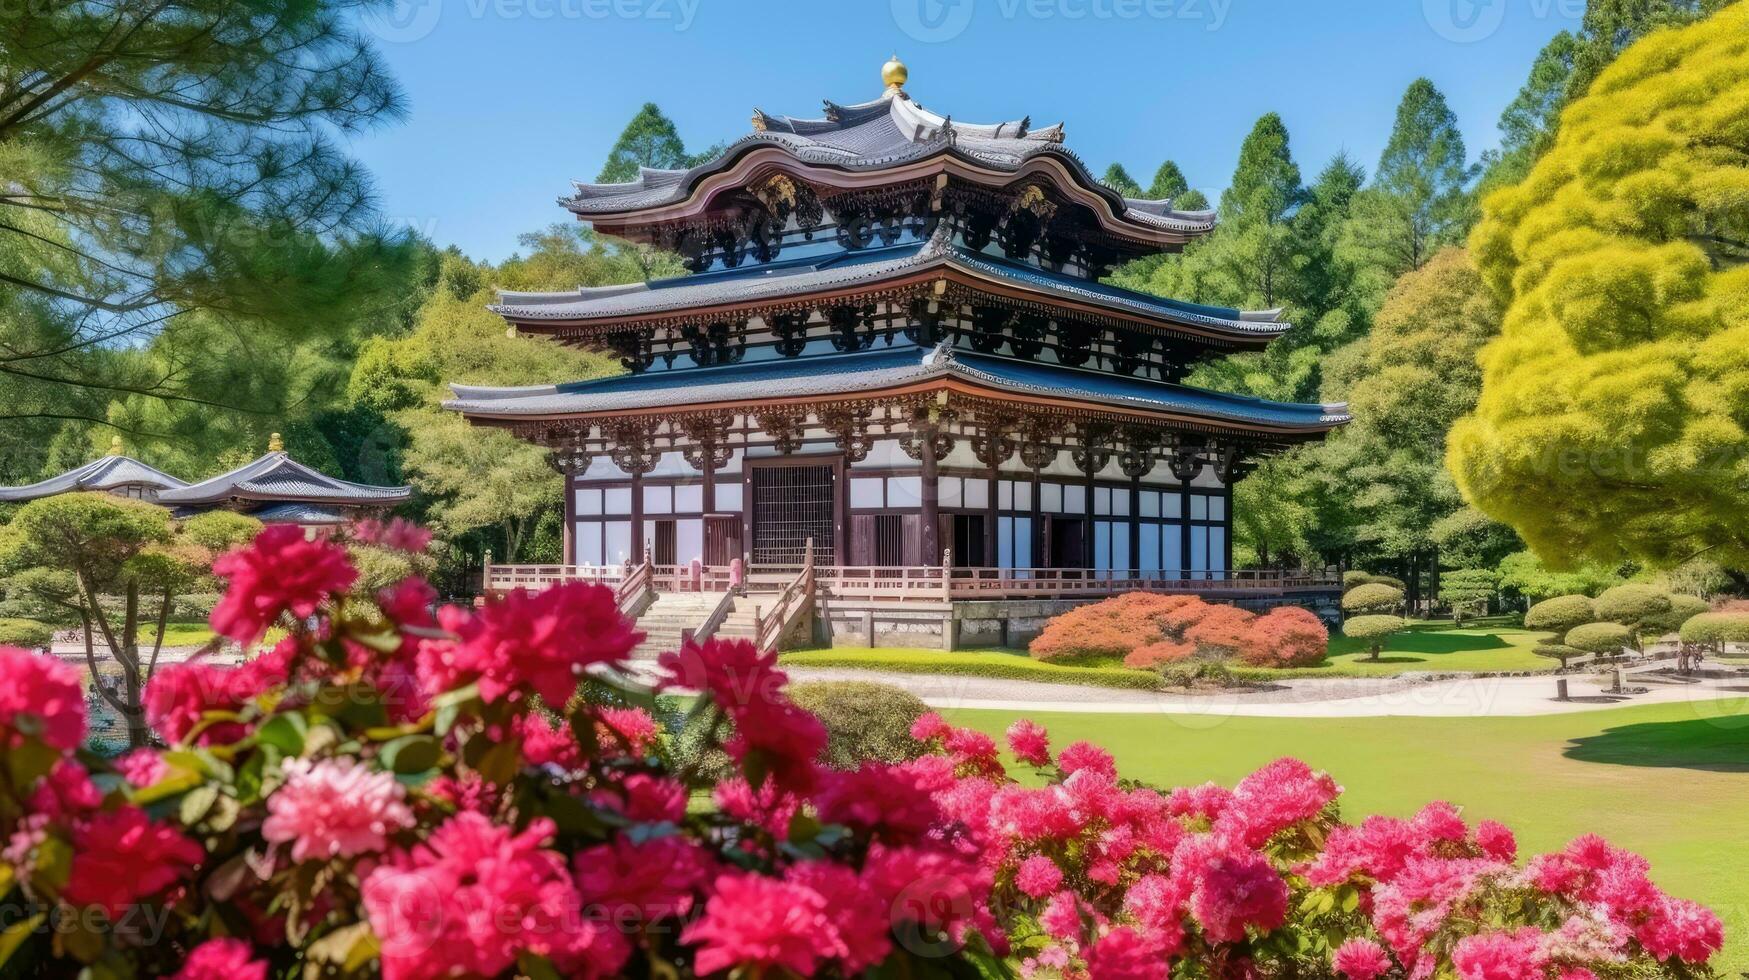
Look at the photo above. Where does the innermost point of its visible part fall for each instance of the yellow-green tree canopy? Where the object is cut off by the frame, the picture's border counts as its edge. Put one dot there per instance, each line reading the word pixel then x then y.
pixel 1614 416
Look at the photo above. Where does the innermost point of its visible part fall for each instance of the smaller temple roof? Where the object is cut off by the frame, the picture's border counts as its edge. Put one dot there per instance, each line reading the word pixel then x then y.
pixel 868 372
pixel 295 513
pixel 277 478
pixel 111 472
pixel 872 267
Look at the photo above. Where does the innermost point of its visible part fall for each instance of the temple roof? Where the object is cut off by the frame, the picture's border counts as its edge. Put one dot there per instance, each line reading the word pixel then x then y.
pixel 299 513
pixel 278 478
pixel 108 473
pixel 868 372
pixel 885 134
pixel 870 268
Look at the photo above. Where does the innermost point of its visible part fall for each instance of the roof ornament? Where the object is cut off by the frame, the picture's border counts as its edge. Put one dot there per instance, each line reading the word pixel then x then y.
pixel 894 75
pixel 115 445
pixel 274 444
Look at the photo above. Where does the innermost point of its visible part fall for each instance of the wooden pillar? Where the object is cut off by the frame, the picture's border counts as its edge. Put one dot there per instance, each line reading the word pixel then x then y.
pixel 1135 559
pixel 708 456
pixel 931 495
pixel 637 517
pixel 568 539
pixel 992 513
pixel 1037 524
pixel 1184 528
pixel 1089 533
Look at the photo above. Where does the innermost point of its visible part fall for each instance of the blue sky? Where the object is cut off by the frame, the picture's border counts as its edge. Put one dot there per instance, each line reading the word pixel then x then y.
pixel 510 99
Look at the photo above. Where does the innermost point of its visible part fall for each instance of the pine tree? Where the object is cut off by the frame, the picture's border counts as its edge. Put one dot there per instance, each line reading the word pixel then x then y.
pixel 649 140
pixel 1119 179
pixel 1170 185
pixel 1324 291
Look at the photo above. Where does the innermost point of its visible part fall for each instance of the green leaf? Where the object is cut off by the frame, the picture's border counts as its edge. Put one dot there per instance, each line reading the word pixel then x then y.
pixel 501 762
pixel 14 935
pixel 536 967
pixel 411 754
pixel 196 803
pixel 30 761
pixel 348 950
pixel 284 732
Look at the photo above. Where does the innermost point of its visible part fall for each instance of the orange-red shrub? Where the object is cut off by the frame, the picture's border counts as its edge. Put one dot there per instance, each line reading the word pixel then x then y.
pixel 1287 636
pixel 1111 628
pixel 1151 630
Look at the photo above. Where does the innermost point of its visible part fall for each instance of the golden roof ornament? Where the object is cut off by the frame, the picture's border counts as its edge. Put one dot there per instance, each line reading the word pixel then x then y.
pixel 274 445
pixel 894 74
pixel 115 445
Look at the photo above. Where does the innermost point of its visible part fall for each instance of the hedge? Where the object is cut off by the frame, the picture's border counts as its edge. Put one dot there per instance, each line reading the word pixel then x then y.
pixel 27 633
pixel 1716 628
pixel 1632 604
pixel 974 665
pixel 865 721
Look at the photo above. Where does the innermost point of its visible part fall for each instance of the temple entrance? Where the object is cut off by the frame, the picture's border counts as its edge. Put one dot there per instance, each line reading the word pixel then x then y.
pixel 662 542
pixel 966 537
pixel 1064 539
pixel 722 539
pixel 792 504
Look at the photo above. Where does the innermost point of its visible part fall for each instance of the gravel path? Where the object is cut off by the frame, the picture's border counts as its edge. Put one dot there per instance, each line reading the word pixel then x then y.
pixel 1309 698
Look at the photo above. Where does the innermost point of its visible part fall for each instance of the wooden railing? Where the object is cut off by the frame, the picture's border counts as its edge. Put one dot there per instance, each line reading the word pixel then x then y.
pixel 899 583
pixel 793 601
pixel 637 590
pixel 714 621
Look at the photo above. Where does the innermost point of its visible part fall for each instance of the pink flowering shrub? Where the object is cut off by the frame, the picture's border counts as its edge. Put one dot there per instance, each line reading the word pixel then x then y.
pixel 1149 630
pixel 394 793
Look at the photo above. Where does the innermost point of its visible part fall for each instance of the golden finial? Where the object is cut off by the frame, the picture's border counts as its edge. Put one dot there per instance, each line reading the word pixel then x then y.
pixel 274 445
pixel 894 74
pixel 115 445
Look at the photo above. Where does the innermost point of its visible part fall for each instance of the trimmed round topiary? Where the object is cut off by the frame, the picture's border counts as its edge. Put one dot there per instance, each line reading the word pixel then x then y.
pixel 1715 629
pixel 26 633
pixel 1557 651
pixel 1372 597
pixel 1375 630
pixel 1560 614
pixel 1682 609
pixel 1633 604
pixel 1351 579
pixel 1600 638
pixel 865 721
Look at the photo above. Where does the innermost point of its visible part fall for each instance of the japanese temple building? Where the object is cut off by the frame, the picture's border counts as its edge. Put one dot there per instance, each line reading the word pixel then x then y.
pixel 275 489
pixel 894 352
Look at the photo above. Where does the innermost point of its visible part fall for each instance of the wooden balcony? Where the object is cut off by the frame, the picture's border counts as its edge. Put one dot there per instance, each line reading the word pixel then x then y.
pixel 912 584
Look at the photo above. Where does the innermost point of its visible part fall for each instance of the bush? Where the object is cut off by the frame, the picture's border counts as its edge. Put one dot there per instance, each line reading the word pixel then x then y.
pixel 865 721
pixel 1109 628
pixel 1682 609
pixel 1354 579
pixel 1375 630
pixel 1468 590
pixel 1715 629
pixel 1558 651
pixel 1287 636
pixel 1161 653
pixel 1372 597
pixel 1633 604
pixel 1560 614
pixel 27 633
pixel 1603 639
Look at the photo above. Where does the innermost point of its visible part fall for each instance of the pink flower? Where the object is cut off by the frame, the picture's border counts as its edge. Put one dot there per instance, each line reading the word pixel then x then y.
pixel 179 696
pixel 1380 848
pixel 1157 904
pixel 627 730
pixel 1038 876
pixel 41 696
pixel 280 571
pixel 1061 918
pixel 398 534
pixel 335 808
pixel 121 857
pixel 441 909
pixel 759 922
pixel 222 959
pixel 66 792
pixel 861 935
pixel 1680 929
pixel 770 731
pixel 929 726
pixel 1030 743
pixel 1086 755
pixel 1276 797
pixel 1439 821
pixel 643 798
pixel 1232 887
pixel 1500 956
pixel 141 767
pixel 1127 954
pixel 1496 840
pixel 629 882
pixel 547 744
pixel 1207 801
pixel 879 800
pixel 529 642
pixel 1361 959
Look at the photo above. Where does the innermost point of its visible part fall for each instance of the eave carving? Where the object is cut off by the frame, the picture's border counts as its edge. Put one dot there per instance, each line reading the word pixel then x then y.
pixel 849 428
pixel 783 428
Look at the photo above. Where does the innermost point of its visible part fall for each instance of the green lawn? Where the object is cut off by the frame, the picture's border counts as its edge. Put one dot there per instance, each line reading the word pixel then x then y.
pixel 1437 647
pixel 1669 781
pixel 194 634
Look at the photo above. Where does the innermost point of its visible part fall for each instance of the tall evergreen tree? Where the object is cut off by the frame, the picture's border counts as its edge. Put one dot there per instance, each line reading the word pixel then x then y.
pixel 649 140
pixel 1169 184
pixel 1119 179
pixel 1419 199
pixel 1324 291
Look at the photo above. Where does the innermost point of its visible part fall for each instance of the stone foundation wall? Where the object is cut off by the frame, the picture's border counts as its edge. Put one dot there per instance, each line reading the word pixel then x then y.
pixel 982 624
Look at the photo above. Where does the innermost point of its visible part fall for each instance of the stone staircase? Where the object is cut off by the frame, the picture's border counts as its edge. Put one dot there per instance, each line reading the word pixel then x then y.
pixel 665 618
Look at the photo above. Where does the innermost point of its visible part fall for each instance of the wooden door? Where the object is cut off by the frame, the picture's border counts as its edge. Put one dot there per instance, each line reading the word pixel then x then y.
pixel 793 504
pixel 664 543
pixel 722 540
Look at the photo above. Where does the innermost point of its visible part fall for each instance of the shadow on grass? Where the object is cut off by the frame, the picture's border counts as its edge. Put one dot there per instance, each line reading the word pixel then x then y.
pixel 1712 745
pixel 1413 642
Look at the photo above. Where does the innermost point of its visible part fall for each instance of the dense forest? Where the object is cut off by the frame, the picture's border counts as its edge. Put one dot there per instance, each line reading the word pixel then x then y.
pixel 193 278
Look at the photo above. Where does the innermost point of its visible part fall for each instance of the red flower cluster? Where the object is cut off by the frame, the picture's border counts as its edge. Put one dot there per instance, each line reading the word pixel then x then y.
pixel 281 571
pixel 39 696
pixel 526 642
